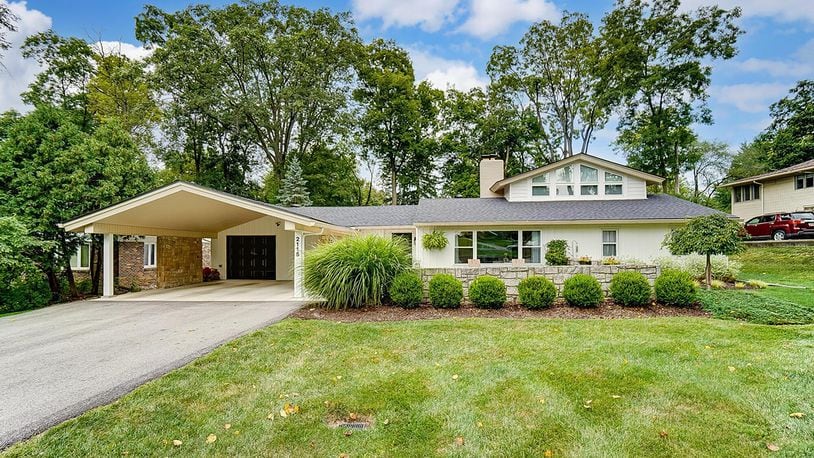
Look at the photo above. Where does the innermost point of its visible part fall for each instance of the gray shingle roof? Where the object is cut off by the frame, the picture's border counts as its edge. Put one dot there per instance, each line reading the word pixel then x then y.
pixel 428 211
pixel 386 215
pixel 796 168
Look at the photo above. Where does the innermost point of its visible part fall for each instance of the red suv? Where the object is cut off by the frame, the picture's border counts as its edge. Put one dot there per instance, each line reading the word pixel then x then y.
pixel 780 226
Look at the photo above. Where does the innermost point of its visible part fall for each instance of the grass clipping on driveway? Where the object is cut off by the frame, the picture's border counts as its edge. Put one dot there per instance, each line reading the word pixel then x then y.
pixel 646 387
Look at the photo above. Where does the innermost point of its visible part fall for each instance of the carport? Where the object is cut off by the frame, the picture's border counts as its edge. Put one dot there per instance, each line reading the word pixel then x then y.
pixel 251 240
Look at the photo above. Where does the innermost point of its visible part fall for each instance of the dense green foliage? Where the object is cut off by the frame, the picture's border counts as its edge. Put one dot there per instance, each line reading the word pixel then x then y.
pixel 435 240
pixel 487 292
pixel 354 271
pixel 788 140
pixel 675 287
pixel 536 292
pixel 582 290
pixel 723 267
pixel 445 291
pixel 555 254
pixel 22 283
pixel 630 288
pixel 706 235
pixel 755 308
pixel 294 190
pixel 407 289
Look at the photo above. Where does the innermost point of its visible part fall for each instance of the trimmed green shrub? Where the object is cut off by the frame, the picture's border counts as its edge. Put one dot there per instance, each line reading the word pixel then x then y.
pixel 630 288
pixel 84 286
pixel 25 293
pixel 675 287
pixel 536 292
pixel 435 240
pixel 446 291
pixel 354 271
pixel 407 290
pixel 582 290
pixel 487 292
pixel 555 254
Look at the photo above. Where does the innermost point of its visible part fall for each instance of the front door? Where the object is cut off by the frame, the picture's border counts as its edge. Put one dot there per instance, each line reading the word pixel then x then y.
pixel 251 257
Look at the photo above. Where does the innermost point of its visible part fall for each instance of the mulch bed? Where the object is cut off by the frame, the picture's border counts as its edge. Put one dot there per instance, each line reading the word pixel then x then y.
pixel 607 310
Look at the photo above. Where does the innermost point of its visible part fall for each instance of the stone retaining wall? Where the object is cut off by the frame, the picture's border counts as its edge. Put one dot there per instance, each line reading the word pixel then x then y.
pixel 511 276
pixel 179 261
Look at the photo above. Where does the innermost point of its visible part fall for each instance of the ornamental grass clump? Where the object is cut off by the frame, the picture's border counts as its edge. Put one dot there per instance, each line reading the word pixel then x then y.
pixel 630 288
pixel 354 271
pixel 536 292
pixel 487 292
pixel 407 290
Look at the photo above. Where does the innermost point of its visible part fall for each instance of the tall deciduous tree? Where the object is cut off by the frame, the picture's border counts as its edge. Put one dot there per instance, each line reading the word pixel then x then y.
pixel 277 75
pixel 656 64
pixel 554 70
pixel 398 121
pixel 789 139
pixel 8 23
pixel 709 163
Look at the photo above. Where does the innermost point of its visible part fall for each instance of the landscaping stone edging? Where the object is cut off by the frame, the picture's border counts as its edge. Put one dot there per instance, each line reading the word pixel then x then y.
pixel 511 275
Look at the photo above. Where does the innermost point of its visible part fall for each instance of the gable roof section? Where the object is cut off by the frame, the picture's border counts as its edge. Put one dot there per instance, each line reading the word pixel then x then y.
pixel 649 178
pixel 379 216
pixel 657 207
pixel 807 166
pixel 176 208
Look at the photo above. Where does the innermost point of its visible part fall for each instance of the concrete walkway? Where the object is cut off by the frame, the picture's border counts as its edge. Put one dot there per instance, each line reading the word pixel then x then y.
pixel 62 360
pixel 223 290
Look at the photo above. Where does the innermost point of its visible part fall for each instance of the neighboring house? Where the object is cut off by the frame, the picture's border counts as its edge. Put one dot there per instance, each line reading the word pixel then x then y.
pixel 599 207
pixel 786 190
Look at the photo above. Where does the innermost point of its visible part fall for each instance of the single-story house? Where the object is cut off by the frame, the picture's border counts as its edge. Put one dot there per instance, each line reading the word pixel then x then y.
pixel 601 208
pixel 787 190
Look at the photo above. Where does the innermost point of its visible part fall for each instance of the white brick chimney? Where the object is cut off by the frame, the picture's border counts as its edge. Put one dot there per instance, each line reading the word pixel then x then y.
pixel 491 171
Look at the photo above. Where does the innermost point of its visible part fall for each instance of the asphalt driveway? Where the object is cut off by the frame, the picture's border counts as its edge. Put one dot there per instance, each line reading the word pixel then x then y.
pixel 59 361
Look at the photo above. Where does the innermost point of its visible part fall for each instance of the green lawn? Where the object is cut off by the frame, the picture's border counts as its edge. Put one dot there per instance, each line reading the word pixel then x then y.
pixel 793 266
pixel 645 387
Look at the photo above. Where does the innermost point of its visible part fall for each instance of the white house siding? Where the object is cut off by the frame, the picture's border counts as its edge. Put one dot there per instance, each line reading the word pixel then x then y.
pixel 634 241
pixel 388 232
pixel 776 196
pixel 266 225
pixel 632 187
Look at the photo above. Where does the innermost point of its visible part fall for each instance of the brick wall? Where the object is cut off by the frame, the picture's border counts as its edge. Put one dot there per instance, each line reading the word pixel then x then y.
pixel 179 261
pixel 130 266
pixel 511 276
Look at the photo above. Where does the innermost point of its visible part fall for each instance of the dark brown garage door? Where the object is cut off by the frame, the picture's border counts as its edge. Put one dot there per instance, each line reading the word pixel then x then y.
pixel 252 257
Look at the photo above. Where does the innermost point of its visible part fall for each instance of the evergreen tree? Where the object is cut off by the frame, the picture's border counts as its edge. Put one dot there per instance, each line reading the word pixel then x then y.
pixel 293 191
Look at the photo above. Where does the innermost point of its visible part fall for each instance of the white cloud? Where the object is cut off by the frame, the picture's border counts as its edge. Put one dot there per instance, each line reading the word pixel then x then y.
pixel 19 72
pixel 489 18
pixel 125 49
pixel 443 73
pixel 801 64
pixel 783 10
pixel 429 14
pixel 750 97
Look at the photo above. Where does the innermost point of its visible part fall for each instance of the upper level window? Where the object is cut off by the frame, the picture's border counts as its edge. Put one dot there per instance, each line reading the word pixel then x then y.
pixel 149 254
pixel 613 184
pixel 81 259
pixel 747 192
pixel 464 247
pixel 805 180
pixel 539 185
pixel 589 181
pixel 565 180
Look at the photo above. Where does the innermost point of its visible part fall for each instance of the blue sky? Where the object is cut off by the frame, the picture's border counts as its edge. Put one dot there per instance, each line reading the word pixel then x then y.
pixel 451 40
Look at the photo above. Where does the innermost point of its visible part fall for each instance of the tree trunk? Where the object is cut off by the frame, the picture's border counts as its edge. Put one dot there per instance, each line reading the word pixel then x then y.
pixel 394 197
pixel 53 283
pixel 95 265
pixel 709 271
pixel 678 171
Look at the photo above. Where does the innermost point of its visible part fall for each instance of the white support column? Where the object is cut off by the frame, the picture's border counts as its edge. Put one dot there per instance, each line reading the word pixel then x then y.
pixel 299 257
pixel 107 266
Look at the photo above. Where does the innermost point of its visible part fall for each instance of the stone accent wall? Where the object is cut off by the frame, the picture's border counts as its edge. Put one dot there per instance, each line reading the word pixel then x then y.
pixel 511 276
pixel 179 261
pixel 130 266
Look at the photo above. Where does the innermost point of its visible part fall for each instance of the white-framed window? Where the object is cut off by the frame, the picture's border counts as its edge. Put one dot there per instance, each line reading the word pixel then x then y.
pixel 464 247
pixel 532 246
pixel 613 184
pixel 81 259
pixel 609 242
pixel 539 185
pixel 565 181
pixel 408 239
pixel 589 181
pixel 496 247
pixel 149 254
pixel 803 181
pixel 747 192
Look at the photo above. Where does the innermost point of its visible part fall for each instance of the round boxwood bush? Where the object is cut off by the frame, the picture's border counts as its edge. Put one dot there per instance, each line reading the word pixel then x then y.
pixel 630 288
pixel 407 290
pixel 487 292
pixel 582 290
pixel 354 271
pixel 536 292
pixel 446 291
pixel 675 287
